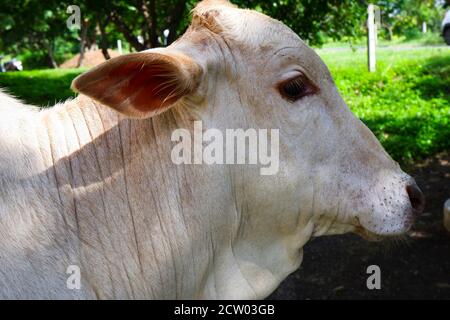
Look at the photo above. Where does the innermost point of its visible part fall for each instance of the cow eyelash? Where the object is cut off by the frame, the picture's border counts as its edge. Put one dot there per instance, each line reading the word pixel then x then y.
pixel 296 88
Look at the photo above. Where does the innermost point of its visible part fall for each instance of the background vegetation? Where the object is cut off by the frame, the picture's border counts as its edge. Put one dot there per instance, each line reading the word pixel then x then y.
pixel 36 31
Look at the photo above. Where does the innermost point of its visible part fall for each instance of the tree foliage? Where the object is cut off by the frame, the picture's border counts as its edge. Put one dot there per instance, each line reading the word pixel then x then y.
pixel 32 25
pixel 39 26
pixel 405 17
pixel 314 19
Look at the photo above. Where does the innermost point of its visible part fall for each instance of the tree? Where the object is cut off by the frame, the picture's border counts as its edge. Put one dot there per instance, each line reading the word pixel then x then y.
pixel 314 19
pixel 38 25
pixel 32 25
pixel 142 22
pixel 405 17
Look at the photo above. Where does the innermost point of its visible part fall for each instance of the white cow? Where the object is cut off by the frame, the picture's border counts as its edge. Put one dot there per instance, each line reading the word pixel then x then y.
pixel 94 187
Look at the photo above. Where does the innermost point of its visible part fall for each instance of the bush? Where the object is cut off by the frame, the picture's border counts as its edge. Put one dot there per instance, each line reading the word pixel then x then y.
pixel 33 60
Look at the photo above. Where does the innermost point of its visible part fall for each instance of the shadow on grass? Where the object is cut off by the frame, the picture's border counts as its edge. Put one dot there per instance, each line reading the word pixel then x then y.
pixel 436 80
pixel 39 88
pixel 408 139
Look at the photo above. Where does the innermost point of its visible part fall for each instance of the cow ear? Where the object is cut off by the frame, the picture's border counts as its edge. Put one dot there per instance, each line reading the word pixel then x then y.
pixel 141 85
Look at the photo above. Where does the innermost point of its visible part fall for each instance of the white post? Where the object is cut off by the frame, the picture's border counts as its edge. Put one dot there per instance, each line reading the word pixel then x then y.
pixel 447 215
pixel 166 36
pixel 424 27
pixel 371 38
pixel 119 46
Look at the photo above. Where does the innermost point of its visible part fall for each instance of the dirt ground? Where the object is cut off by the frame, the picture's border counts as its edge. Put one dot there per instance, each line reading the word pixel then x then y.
pixel 91 59
pixel 417 268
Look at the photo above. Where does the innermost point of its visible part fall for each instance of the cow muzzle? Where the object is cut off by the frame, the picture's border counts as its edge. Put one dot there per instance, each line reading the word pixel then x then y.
pixel 395 203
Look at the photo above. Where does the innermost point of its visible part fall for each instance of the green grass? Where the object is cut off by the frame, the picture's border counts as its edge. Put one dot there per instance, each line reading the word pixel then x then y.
pixel 406 103
pixel 427 39
pixel 40 87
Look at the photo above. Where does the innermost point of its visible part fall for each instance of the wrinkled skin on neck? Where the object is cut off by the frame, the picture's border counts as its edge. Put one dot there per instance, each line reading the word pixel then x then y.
pixel 107 198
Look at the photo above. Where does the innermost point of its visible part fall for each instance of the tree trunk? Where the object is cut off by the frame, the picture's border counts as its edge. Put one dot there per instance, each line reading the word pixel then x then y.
pixel 50 57
pixel 103 42
pixel 127 33
pixel 146 26
pixel 175 19
pixel 83 39
pixel 390 33
pixel 154 26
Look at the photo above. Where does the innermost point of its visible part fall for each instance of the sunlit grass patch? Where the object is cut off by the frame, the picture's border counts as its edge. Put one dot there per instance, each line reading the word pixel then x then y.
pixel 406 103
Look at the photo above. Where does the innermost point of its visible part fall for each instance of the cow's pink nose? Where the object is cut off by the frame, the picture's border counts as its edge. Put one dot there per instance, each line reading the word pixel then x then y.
pixel 417 198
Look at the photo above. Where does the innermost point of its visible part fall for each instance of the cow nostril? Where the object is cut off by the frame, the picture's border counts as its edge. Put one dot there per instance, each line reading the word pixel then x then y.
pixel 416 197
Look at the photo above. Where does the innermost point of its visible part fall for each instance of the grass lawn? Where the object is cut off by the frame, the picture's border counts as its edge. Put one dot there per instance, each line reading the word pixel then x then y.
pixel 428 39
pixel 406 103
pixel 40 87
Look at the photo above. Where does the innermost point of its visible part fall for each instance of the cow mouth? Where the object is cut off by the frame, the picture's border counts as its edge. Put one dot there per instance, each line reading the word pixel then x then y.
pixel 368 235
pixel 375 237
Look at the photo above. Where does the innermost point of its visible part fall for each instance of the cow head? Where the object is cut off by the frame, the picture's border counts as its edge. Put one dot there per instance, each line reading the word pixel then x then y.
pixel 238 68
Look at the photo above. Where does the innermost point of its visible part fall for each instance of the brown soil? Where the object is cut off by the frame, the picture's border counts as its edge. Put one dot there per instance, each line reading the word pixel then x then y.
pixel 91 59
pixel 418 268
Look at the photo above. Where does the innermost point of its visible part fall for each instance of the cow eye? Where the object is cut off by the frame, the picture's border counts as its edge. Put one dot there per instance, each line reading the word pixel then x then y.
pixel 296 88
